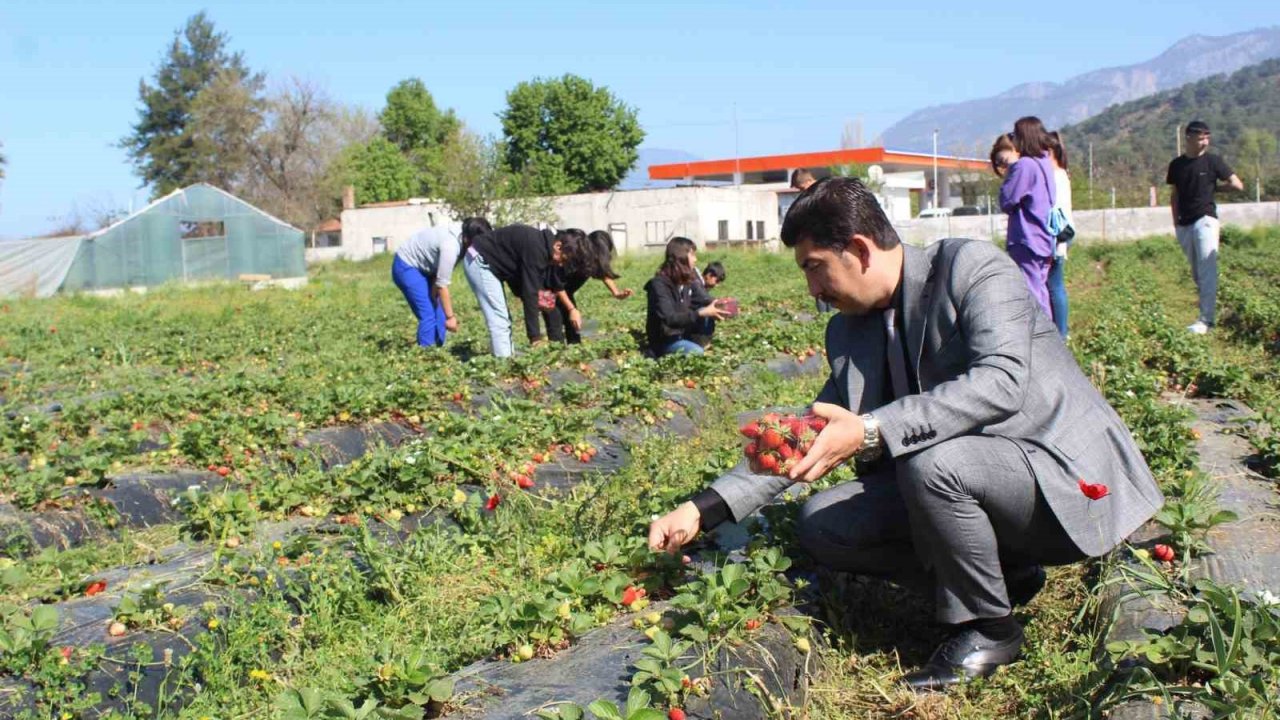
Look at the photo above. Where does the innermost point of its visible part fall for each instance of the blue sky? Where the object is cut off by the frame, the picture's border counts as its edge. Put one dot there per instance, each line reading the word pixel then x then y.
pixel 796 72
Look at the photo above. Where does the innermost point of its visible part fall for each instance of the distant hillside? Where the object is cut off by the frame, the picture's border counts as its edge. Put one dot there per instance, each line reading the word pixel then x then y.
pixel 638 178
pixel 1134 142
pixel 971 124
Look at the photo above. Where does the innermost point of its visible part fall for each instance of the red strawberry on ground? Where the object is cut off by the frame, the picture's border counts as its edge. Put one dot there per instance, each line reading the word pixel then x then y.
pixel 1162 552
pixel 630 595
pixel 675 714
pixel 752 625
pixel 493 501
pixel 223 470
pixel 95 587
pixel 524 482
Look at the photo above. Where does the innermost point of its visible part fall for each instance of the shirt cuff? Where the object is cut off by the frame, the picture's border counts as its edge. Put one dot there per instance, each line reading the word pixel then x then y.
pixel 711 507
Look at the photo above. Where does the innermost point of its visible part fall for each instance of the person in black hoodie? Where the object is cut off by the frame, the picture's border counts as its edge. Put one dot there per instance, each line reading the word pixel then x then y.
pixel 671 313
pixel 595 262
pixel 522 257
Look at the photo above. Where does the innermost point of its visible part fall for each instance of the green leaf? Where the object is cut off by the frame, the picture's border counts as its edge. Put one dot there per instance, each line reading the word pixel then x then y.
pixel 44 618
pixel 636 699
pixel 605 710
pixel 441 690
pixel 647 714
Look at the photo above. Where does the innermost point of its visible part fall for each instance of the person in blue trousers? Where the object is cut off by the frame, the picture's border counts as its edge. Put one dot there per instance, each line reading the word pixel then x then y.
pixel 422 269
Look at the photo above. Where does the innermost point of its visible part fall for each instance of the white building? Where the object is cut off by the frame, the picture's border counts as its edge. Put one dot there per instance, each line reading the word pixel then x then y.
pixel 639 220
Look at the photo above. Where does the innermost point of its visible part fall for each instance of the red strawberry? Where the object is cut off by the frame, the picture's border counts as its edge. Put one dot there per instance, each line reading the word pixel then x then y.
pixel 752 625
pixel 524 482
pixel 752 449
pixel 493 501
pixel 770 419
pixel 630 595
pixel 1162 552
pixel 817 423
pixel 457 397
pixel 538 457
pixel 675 714
pixel 786 452
pixel 797 426
pixel 768 461
pixel 584 457
pixel 66 652
pixel 771 439
pixel 690 384
pixel 750 430
pixel 95 587
pixel 223 470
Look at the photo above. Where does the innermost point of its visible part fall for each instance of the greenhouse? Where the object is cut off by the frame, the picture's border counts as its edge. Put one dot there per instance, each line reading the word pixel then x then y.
pixel 199 233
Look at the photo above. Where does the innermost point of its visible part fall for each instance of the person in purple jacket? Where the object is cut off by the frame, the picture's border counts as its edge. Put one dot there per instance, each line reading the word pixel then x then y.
pixel 1027 195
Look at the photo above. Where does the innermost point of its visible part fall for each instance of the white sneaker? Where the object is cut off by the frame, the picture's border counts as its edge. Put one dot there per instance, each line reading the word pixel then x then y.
pixel 1198 328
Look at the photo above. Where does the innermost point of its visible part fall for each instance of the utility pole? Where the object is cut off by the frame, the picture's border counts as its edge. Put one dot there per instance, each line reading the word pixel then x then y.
pixel 935 168
pixel 1091 175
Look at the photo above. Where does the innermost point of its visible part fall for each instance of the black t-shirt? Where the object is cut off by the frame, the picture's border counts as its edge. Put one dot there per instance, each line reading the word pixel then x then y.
pixel 1195 180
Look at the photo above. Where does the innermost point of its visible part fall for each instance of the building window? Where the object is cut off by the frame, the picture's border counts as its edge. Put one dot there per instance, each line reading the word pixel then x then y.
pixel 723 231
pixel 751 231
pixel 618 231
pixel 759 229
pixel 325 240
pixel 657 232
pixel 192 229
pixel 379 245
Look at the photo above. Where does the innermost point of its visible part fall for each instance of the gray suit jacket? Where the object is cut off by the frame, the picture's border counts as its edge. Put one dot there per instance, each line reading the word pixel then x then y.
pixel 988 362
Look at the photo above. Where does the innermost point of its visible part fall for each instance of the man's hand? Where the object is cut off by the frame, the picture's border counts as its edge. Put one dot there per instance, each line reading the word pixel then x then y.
pixel 837 442
pixel 451 323
pixel 575 319
pixel 674 530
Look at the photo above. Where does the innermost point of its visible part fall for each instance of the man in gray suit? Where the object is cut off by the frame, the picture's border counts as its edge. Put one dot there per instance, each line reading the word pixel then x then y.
pixel 973 427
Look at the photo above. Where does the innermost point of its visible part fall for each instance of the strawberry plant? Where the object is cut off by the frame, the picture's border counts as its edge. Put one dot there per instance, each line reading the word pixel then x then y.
pixel 221 516
pixel 24 638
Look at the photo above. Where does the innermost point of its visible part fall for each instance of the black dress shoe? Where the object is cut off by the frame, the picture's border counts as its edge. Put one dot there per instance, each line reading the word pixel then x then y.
pixel 1024 584
pixel 966 654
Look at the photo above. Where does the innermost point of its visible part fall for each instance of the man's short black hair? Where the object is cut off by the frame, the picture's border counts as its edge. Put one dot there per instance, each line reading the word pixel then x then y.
pixel 474 227
pixel 715 270
pixel 832 211
pixel 1197 127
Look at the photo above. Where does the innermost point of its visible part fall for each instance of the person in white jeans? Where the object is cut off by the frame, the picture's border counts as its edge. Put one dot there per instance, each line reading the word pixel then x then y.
pixel 1194 176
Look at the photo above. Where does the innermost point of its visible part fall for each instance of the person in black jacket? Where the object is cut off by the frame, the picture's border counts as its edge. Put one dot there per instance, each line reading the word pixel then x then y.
pixel 671 313
pixel 596 261
pixel 522 257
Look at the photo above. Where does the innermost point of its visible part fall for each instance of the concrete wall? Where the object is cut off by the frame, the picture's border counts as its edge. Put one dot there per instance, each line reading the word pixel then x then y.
pixel 640 220
pixel 1091 225
pixel 395 223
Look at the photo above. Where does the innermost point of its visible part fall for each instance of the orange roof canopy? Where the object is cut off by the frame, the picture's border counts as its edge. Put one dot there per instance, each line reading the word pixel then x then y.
pixel 891 161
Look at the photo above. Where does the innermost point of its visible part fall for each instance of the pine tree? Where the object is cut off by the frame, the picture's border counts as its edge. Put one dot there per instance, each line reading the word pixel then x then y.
pixel 162 148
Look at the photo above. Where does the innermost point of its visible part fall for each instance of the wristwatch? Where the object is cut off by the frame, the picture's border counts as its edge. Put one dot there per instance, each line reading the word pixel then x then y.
pixel 871 445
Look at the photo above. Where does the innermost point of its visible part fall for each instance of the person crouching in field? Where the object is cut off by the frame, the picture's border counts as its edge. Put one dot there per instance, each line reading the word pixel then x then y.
pixel 422 269
pixel 671 314
pixel 522 257
pixel 595 262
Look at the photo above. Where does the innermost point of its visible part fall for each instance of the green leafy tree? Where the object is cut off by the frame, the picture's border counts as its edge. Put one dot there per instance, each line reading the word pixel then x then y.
pixel 161 147
pixel 476 182
pixel 225 117
pixel 1257 152
pixel 379 171
pixel 569 135
pixel 412 121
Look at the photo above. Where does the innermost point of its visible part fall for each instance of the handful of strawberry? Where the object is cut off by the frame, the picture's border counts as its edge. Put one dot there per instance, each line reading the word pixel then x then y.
pixel 776 442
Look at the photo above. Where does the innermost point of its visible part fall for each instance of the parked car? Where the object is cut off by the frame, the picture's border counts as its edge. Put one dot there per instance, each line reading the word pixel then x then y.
pixel 935 212
pixel 968 210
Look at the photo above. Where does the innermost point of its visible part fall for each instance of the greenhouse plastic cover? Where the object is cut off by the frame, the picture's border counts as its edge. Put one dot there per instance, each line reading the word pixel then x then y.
pixel 197 233
pixel 36 268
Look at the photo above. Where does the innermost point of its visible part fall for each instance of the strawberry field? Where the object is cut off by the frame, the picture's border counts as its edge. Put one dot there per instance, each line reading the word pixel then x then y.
pixel 231 504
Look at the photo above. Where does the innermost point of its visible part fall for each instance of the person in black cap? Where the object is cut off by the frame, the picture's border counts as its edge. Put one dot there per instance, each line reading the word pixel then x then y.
pixel 1194 176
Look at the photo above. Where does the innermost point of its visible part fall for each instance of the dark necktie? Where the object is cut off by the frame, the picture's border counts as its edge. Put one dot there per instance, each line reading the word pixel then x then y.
pixel 897 359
